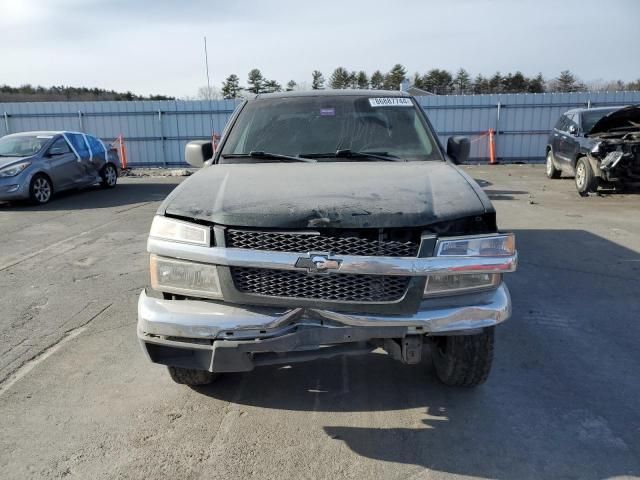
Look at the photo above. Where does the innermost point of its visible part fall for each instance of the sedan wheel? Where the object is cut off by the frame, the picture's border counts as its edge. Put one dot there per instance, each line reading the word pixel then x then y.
pixel 40 190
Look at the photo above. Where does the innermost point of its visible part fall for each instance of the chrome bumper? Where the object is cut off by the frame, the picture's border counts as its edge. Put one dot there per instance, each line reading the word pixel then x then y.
pixel 223 338
pixel 212 320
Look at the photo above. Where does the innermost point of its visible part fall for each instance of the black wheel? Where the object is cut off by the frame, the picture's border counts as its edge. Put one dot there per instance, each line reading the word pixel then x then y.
pixel 464 360
pixel 109 176
pixel 551 170
pixel 190 376
pixel 586 181
pixel 40 190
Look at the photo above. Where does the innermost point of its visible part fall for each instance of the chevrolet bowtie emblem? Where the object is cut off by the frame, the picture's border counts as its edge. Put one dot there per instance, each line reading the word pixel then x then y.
pixel 318 263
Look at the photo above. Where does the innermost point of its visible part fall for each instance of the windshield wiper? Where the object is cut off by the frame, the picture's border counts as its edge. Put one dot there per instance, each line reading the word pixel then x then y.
pixel 267 155
pixel 347 153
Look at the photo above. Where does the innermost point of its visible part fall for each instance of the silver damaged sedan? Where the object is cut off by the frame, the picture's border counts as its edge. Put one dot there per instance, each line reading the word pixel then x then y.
pixel 34 165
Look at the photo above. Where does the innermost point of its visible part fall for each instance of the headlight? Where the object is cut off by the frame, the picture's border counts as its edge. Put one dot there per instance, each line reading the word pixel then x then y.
pixel 177 231
pixel 14 170
pixel 193 279
pixel 502 245
pixel 498 245
pixel 453 284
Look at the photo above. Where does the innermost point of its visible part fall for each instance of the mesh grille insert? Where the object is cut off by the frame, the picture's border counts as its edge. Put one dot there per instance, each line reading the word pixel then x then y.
pixel 302 243
pixel 337 287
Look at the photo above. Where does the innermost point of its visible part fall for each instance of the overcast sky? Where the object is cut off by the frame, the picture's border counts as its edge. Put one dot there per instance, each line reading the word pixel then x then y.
pixel 156 46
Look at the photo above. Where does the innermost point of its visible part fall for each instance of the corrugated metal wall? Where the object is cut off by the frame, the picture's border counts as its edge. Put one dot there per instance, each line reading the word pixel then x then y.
pixel 156 132
pixel 522 121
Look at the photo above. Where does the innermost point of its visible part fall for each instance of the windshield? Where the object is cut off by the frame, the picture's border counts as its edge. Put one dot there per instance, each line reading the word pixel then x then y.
pixel 22 145
pixel 590 118
pixel 309 126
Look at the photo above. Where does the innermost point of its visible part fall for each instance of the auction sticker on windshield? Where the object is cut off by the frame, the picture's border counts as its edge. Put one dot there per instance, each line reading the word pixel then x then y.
pixel 390 102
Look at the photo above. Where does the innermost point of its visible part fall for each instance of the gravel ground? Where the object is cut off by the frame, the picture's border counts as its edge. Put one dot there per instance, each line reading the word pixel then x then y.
pixel 79 400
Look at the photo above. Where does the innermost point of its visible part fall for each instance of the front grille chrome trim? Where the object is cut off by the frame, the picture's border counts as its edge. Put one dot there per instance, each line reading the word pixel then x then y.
pixel 350 264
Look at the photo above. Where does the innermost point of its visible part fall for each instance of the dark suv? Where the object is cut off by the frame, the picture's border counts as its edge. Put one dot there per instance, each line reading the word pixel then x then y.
pixel 597 146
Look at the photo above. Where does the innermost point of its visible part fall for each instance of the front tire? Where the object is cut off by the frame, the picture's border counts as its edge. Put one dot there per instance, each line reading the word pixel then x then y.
pixel 463 360
pixel 109 176
pixel 551 170
pixel 190 376
pixel 586 181
pixel 40 189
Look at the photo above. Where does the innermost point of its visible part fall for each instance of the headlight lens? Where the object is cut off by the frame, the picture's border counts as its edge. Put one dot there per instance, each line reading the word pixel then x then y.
pixel 453 284
pixel 503 245
pixel 14 170
pixel 185 278
pixel 177 231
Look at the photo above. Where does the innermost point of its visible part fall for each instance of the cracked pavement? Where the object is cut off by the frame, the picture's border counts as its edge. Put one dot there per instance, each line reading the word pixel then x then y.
pixel 79 400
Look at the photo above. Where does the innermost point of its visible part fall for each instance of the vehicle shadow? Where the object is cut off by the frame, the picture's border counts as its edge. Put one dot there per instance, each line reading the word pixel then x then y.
pixel 125 193
pixel 561 401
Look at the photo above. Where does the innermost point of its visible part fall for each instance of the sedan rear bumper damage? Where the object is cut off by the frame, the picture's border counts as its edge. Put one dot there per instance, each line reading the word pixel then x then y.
pixel 220 337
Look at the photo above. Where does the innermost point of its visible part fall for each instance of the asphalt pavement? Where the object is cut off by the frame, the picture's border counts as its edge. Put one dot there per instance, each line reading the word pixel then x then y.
pixel 79 400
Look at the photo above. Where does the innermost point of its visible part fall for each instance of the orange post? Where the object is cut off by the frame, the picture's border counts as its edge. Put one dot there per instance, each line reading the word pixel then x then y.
pixel 122 152
pixel 492 148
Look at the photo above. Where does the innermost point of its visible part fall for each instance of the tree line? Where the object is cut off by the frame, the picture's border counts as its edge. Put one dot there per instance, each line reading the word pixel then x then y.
pixel 30 93
pixel 436 81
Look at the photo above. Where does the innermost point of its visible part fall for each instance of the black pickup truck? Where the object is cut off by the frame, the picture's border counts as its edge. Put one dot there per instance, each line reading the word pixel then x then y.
pixel 325 223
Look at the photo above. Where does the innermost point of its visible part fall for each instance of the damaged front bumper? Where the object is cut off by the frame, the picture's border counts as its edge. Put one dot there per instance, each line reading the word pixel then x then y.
pixel 220 337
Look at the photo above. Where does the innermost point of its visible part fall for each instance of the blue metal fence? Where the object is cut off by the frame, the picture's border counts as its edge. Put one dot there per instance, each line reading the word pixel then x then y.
pixel 156 131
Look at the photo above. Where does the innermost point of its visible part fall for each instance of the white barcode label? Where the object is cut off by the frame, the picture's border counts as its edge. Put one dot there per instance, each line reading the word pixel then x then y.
pixel 390 102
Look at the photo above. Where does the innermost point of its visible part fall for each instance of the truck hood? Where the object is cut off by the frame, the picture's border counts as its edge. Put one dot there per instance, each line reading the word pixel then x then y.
pixel 336 195
pixel 625 117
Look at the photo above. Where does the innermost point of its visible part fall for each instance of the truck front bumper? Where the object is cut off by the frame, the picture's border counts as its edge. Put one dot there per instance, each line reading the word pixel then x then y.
pixel 221 337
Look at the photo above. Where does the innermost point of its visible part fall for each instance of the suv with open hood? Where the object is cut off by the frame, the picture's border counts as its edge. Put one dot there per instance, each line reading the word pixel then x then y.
pixel 597 146
pixel 325 223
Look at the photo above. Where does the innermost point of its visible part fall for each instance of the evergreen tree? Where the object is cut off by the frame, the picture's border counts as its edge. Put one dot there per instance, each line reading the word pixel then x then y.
pixel 567 82
pixel 395 77
pixel 495 83
pixel 255 81
pixel 271 86
pixel 291 85
pixel 462 82
pixel 377 80
pixel 352 80
pixel 536 84
pixel 339 78
pixel 317 82
pixel 481 85
pixel 362 81
pixel 437 81
pixel 515 83
pixel 231 87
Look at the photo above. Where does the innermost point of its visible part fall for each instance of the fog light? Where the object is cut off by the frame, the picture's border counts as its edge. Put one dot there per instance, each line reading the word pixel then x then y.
pixel 193 279
pixel 453 284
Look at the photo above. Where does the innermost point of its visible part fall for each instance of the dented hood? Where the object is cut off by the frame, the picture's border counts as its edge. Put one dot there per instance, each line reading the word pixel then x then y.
pixel 625 117
pixel 316 195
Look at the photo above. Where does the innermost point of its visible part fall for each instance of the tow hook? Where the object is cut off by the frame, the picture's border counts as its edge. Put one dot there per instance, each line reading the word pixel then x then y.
pixel 408 350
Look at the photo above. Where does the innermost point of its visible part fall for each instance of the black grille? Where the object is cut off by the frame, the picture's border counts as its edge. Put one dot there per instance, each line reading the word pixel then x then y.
pixel 331 287
pixel 303 243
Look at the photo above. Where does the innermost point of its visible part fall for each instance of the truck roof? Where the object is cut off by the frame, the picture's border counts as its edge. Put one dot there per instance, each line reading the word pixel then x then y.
pixel 333 93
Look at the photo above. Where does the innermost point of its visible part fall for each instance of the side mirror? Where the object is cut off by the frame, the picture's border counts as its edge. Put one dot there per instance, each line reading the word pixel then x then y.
pixel 54 152
pixel 458 149
pixel 573 130
pixel 198 152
